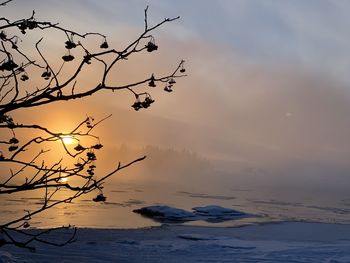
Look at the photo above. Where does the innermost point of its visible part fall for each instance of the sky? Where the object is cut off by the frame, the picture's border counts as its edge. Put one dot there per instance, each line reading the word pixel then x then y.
pixel 267 93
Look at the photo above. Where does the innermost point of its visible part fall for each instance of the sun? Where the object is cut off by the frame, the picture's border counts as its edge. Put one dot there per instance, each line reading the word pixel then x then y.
pixel 68 139
pixel 63 179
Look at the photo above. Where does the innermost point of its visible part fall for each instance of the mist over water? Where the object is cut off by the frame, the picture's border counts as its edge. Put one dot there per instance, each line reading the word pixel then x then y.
pixel 185 180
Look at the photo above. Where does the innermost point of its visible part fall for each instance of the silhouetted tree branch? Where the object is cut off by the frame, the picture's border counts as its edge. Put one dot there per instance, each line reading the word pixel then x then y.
pixel 28 80
pixel 5 2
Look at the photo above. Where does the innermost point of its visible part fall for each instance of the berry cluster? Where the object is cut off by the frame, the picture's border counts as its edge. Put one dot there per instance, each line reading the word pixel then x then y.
pixel 14 144
pixel 46 74
pixel 169 85
pixel 138 104
pixel 27 24
pixel 8 65
pixel 151 46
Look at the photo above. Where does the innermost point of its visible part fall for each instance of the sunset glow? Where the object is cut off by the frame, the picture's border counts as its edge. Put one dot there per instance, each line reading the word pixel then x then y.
pixel 174 131
pixel 67 139
pixel 64 180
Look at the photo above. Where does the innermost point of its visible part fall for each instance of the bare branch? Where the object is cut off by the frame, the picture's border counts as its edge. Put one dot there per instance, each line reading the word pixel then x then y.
pixel 6 2
pixel 24 147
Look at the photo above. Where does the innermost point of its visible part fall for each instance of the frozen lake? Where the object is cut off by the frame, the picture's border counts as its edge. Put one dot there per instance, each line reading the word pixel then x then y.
pixel 268 206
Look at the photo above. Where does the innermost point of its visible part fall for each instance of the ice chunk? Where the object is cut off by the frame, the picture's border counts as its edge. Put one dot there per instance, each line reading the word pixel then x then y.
pixel 215 210
pixel 210 213
pixel 215 213
pixel 166 213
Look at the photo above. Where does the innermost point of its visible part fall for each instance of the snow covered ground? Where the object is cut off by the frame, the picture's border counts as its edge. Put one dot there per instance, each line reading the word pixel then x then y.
pixel 278 242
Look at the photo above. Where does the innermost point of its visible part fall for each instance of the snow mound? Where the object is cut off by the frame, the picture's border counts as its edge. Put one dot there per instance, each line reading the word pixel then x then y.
pixel 215 213
pixel 215 210
pixel 165 213
pixel 210 213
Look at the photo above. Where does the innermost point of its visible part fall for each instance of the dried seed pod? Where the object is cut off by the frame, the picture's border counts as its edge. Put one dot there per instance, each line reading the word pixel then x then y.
pixel 70 44
pixel 99 198
pixel 151 46
pixel 104 44
pixel 23 26
pixel 89 125
pixel 149 100
pixel 14 140
pixel 91 156
pixel 68 58
pixel 3 35
pixel 172 81
pixel 79 148
pixel 145 104
pixel 137 105
pixel 13 148
pixel 168 89
pixel 46 74
pixel 31 24
pixel 24 77
pixel 8 65
pixel 97 146
pixel 152 83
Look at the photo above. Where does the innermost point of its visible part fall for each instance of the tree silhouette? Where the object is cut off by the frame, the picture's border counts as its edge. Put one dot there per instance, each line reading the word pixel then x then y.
pixel 29 80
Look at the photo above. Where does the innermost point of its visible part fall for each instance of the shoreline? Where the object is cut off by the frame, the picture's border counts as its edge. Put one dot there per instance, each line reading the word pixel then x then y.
pixel 163 225
pixel 208 226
